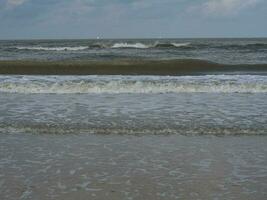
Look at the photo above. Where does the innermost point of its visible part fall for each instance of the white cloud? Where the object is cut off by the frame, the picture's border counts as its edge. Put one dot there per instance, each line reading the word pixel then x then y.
pixel 14 3
pixel 224 7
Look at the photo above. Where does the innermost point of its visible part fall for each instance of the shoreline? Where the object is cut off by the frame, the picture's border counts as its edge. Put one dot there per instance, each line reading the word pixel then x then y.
pixel 127 67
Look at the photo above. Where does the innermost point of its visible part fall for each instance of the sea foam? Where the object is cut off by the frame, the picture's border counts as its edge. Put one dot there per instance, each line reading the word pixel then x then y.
pixel 129 45
pixel 146 46
pixel 134 84
pixel 78 48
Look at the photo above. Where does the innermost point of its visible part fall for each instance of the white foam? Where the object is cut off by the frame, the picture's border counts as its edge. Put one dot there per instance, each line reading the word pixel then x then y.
pixel 78 48
pixel 181 44
pixel 134 84
pixel 128 45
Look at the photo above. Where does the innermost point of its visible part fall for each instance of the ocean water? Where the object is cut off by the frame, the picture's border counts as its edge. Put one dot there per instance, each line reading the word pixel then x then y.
pixel 134 136
pixel 226 51
pixel 209 104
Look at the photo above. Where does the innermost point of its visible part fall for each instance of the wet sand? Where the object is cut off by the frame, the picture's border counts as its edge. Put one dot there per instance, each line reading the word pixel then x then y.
pixel 127 67
pixel 83 166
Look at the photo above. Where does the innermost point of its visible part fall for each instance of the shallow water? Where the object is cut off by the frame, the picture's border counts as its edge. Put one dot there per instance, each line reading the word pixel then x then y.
pixel 86 166
pixel 170 113
pixel 57 143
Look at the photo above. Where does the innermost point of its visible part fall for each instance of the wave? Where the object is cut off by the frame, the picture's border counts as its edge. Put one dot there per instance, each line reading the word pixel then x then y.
pixel 97 46
pixel 256 45
pixel 140 45
pixel 171 45
pixel 128 67
pixel 134 84
pixel 39 48
pixel 155 45
pixel 188 45
pixel 252 46
pixel 129 45
pixel 106 46
pixel 158 44
pixel 91 46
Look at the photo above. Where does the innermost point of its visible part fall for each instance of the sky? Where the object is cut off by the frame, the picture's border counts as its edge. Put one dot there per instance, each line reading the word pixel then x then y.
pixel 76 19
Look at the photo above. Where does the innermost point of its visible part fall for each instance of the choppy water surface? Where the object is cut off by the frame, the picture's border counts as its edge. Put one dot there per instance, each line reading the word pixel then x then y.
pixel 212 105
pixel 226 51
pixel 133 84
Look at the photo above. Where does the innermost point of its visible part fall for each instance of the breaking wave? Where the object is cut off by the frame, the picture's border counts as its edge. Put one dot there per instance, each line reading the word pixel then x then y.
pixel 134 84
pixel 146 46
pixel 128 45
pixel 79 48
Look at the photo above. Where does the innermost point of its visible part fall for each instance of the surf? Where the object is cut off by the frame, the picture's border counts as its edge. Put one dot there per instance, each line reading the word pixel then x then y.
pixel 133 84
pixel 130 45
pixel 40 48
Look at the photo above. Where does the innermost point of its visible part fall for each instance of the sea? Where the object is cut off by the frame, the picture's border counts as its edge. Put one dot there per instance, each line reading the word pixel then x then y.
pixel 141 136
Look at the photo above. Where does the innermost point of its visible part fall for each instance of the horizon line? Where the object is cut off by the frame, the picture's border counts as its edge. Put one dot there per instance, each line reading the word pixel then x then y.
pixel 132 38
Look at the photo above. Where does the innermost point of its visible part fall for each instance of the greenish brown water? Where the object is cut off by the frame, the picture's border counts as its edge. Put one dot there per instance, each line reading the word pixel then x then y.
pixel 128 67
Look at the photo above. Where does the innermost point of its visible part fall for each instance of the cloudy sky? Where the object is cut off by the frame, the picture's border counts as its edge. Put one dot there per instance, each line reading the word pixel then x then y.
pixel 132 18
